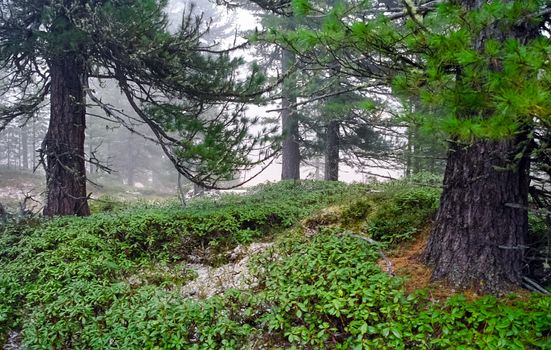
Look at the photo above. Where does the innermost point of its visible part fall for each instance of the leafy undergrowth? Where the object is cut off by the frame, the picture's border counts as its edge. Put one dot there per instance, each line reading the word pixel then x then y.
pixel 65 283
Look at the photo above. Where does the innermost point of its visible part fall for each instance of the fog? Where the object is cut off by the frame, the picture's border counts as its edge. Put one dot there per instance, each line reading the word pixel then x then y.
pixel 125 158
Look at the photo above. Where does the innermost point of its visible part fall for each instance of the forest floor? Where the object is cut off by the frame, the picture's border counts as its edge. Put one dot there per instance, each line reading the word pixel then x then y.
pixel 15 185
pixel 407 261
pixel 288 265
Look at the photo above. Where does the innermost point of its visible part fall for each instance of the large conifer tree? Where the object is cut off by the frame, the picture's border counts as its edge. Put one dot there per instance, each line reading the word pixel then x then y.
pixel 481 227
pixel 50 50
pixel 482 68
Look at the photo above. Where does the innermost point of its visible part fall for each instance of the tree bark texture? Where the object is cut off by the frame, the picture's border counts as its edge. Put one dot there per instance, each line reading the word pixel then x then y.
pixel 289 123
pixel 332 146
pixel 478 237
pixel 64 143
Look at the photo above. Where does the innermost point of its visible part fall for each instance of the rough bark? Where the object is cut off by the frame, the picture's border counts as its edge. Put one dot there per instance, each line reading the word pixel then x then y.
pixel 332 151
pixel 289 124
pixel 64 142
pixel 478 237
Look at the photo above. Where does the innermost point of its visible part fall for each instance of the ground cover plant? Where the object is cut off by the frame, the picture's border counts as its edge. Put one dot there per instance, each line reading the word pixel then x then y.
pixel 66 283
pixel 44 262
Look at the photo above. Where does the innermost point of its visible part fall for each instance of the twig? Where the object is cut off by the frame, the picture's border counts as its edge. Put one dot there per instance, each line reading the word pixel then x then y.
pixel 534 286
pixel 321 97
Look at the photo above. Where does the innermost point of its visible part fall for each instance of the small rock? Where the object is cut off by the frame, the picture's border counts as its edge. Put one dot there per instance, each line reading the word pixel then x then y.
pixel 214 281
pixel 14 341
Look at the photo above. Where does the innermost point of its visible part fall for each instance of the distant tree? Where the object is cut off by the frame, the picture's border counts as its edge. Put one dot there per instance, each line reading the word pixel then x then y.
pixel 425 150
pixel 305 110
pixel 285 60
pixel 345 132
pixel 290 152
pixel 55 48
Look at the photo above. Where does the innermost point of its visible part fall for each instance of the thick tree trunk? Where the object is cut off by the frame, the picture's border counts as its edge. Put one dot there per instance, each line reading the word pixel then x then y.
pixel 64 143
pixel 289 123
pixel 332 147
pixel 478 236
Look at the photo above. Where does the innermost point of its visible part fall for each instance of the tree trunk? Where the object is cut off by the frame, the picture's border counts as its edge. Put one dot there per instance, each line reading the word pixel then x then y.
pixel 409 151
pixel 24 147
pixel 289 123
pixel 34 144
pixel 332 151
pixel 9 147
pixel 64 143
pixel 130 159
pixel 477 239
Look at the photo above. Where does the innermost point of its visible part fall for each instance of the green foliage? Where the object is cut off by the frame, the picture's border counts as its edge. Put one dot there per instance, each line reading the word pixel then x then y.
pixel 401 215
pixel 479 71
pixel 315 289
pixel 144 318
pixel 206 93
pixel 394 214
pixel 39 262
pixel 538 225
pixel 106 204
pixel 301 7
pixel 502 84
pixel 328 293
pixel 111 281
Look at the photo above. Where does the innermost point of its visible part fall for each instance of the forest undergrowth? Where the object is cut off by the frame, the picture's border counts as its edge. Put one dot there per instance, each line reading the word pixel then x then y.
pixel 70 283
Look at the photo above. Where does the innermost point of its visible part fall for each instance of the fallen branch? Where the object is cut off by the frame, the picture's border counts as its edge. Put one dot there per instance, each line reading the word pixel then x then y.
pixel 534 286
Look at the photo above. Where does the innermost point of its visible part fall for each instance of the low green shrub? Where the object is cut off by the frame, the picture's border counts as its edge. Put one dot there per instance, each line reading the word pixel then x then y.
pixel 106 203
pixel 401 213
pixel 39 260
pixel 394 215
pixel 111 281
pixel 116 317
pixel 328 293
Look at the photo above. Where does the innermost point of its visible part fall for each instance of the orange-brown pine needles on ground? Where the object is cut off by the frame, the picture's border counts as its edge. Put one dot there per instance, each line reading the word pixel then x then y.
pixel 407 262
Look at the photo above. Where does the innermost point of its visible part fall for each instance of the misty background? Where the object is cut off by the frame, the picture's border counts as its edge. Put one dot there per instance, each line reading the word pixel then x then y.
pixel 124 159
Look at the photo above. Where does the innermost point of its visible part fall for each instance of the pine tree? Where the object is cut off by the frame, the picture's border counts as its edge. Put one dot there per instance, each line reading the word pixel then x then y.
pixel 481 70
pixel 56 48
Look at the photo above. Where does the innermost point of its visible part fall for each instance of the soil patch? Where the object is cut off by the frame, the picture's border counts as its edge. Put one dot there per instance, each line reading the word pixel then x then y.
pixel 407 262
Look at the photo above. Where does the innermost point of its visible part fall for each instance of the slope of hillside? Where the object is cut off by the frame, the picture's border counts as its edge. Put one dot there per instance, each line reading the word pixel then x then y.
pixel 289 265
